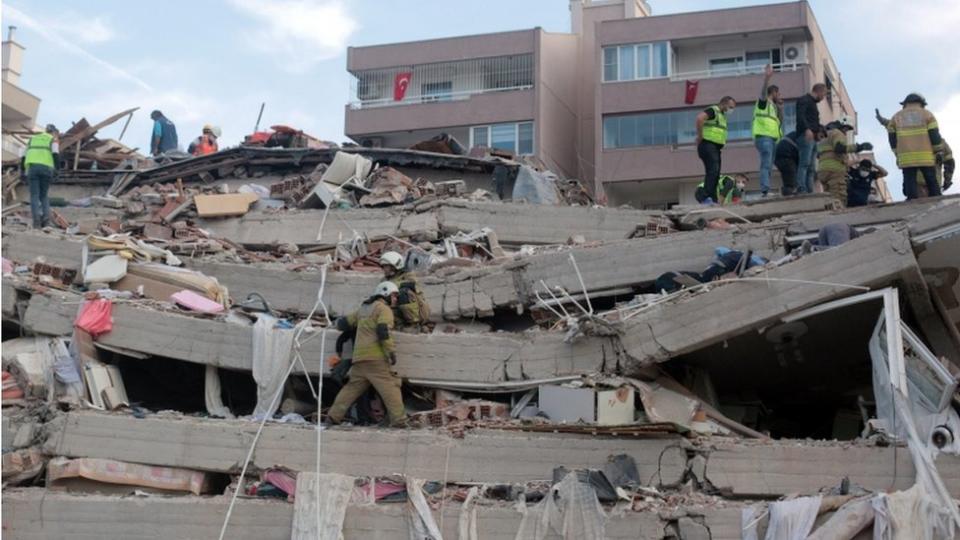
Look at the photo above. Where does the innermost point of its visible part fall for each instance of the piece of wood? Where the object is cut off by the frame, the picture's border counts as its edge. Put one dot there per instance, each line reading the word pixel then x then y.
pixel 75 138
pixel 847 522
pixel 231 204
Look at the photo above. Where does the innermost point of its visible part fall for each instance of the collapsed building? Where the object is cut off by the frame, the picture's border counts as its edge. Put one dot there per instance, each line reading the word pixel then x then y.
pixel 770 369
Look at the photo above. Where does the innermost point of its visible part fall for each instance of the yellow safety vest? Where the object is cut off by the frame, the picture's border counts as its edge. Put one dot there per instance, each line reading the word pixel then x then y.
pixel 911 125
pixel 724 180
pixel 715 129
pixel 39 151
pixel 766 121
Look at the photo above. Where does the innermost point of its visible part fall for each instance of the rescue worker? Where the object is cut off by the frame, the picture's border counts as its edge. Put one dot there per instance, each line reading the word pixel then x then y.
pixel 711 127
pixel 730 189
pixel 39 166
pixel 411 306
pixel 374 354
pixel 913 133
pixel 808 119
pixel 861 181
pixel 164 135
pixel 943 167
pixel 832 152
pixel 206 143
pixel 787 160
pixel 767 127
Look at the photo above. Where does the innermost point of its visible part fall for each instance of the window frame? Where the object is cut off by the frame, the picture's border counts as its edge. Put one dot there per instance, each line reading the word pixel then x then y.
pixel 446 95
pixel 516 136
pixel 649 56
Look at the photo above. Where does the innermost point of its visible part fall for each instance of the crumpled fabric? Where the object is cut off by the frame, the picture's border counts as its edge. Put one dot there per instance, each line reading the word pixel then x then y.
pixel 95 317
pixel 793 519
pixel 320 506
pixel 212 395
pixel 467 524
pixel 909 515
pixel 422 525
pixel 571 509
pixel 271 358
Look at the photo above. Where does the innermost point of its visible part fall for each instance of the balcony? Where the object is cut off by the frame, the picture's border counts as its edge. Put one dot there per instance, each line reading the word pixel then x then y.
pixel 440 82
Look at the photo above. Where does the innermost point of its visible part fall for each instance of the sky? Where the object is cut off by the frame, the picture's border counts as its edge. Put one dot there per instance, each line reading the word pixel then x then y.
pixel 216 61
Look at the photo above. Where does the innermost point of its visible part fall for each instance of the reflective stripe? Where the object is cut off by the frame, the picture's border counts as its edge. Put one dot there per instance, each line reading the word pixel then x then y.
pixel 39 151
pixel 911 126
pixel 715 129
pixel 911 132
pixel 367 346
pixel 720 182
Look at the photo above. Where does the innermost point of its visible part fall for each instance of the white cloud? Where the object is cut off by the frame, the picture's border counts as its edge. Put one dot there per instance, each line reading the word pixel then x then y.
pixel 81 28
pixel 47 32
pixel 299 33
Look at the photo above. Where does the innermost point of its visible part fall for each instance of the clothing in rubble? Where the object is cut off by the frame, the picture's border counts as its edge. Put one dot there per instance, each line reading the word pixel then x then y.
pixel 727 260
pixel 373 353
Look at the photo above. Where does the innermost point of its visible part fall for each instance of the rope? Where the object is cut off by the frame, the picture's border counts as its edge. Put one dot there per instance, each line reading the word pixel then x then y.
pixel 301 327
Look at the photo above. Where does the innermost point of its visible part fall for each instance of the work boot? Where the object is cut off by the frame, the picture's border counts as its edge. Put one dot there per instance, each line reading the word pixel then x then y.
pixel 708 202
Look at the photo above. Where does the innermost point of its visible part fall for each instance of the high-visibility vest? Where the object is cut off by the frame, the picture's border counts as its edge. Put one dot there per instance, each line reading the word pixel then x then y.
pixel 206 145
pixel 766 121
pixel 39 151
pixel 827 155
pixel 366 346
pixel 911 125
pixel 723 181
pixel 715 129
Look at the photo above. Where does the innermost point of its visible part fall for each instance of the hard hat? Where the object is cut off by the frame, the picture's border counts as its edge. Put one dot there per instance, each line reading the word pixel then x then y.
pixel 392 258
pixel 385 289
pixel 914 97
pixel 208 127
pixel 845 121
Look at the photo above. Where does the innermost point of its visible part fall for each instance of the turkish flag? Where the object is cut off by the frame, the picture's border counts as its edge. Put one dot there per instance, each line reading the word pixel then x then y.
pixel 691 93
pixel 400 84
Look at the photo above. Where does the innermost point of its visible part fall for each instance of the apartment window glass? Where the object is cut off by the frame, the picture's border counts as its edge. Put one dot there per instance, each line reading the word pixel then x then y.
pixel 610 64
pixel 436 91
pixel 756 60
pixel 635 62
pixel 719 66
pixel 677 127
pixel 660 59
pixel 525 138
pixel 627 63
pixel 514 137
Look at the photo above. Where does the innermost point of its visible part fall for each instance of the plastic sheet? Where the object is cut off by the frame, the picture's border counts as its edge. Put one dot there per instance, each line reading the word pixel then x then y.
pixel 793 519
pixel 570 509
pixel 271 357
pixel 95 317
pixel 320 506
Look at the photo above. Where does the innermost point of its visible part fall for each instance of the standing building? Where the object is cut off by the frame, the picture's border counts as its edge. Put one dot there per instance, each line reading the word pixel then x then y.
pixel 612 103
pixel 19 106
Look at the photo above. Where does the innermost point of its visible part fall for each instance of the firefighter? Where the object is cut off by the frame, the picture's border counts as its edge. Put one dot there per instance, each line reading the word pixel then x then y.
pixel 412 308
pixel 913 134
pixel 39 166
pixel 374 354
pixel 832 153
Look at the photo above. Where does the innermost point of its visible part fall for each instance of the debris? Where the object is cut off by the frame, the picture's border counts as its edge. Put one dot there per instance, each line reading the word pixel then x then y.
pixel 106 269
pixel 92 474
pixel 196 302
pixel 232 204
pixel 602 407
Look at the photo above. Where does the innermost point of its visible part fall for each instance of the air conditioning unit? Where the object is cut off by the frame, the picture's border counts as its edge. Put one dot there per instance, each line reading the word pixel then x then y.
pixel 371 142
pixel 794 53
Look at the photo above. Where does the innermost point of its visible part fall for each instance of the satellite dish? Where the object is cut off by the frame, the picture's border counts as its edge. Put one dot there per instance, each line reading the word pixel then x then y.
pixel 791 53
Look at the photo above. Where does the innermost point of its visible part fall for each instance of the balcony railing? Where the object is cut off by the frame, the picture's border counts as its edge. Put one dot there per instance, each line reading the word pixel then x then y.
pixel 443 81
pixel 735 71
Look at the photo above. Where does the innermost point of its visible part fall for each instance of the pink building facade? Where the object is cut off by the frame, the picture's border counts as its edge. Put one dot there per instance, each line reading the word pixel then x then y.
pixel 605 103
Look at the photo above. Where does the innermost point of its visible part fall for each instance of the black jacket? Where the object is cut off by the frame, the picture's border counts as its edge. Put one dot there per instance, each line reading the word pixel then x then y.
pixel 808 115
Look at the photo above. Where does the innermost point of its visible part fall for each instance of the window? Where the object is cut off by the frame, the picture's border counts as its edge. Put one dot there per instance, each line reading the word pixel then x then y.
pixel 719 66
pixel 438 91
pixel 636 62
pixel 513 137
pixel 678 127
pixel 757 60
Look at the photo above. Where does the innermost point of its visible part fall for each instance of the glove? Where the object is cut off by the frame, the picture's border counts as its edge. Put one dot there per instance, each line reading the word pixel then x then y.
pixel 393 359
pixel 864 146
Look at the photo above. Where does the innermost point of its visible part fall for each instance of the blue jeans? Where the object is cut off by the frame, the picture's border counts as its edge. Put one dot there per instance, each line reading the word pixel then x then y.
pixel 805 171
pixel 39 177
pixel 765 147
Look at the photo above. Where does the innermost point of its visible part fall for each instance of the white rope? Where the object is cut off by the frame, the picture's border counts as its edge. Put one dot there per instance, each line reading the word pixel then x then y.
pixel 256 438
pixel 323 352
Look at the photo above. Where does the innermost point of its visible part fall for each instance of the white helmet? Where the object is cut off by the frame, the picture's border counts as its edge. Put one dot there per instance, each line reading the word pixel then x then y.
pixel 845 121
pixel 385 289
pixel 392 258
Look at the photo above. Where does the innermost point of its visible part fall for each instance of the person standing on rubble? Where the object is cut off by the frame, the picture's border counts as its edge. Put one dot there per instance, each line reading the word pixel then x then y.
pixel 944 164
pixel 914 134
pixel 832 153
pixel 808 119
pixel 39 166
pixel 711 136
pixel 374 354
pixel 767 127
pixel 861 181
pixel 787 159
pixel 206 143
pixel 412 307
pixel 164 135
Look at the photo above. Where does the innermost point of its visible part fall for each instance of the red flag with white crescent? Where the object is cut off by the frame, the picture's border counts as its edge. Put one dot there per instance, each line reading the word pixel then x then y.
pixel 400 84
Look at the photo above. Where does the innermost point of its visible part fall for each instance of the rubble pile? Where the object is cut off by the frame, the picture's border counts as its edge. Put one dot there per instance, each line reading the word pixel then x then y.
pixel 777 368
